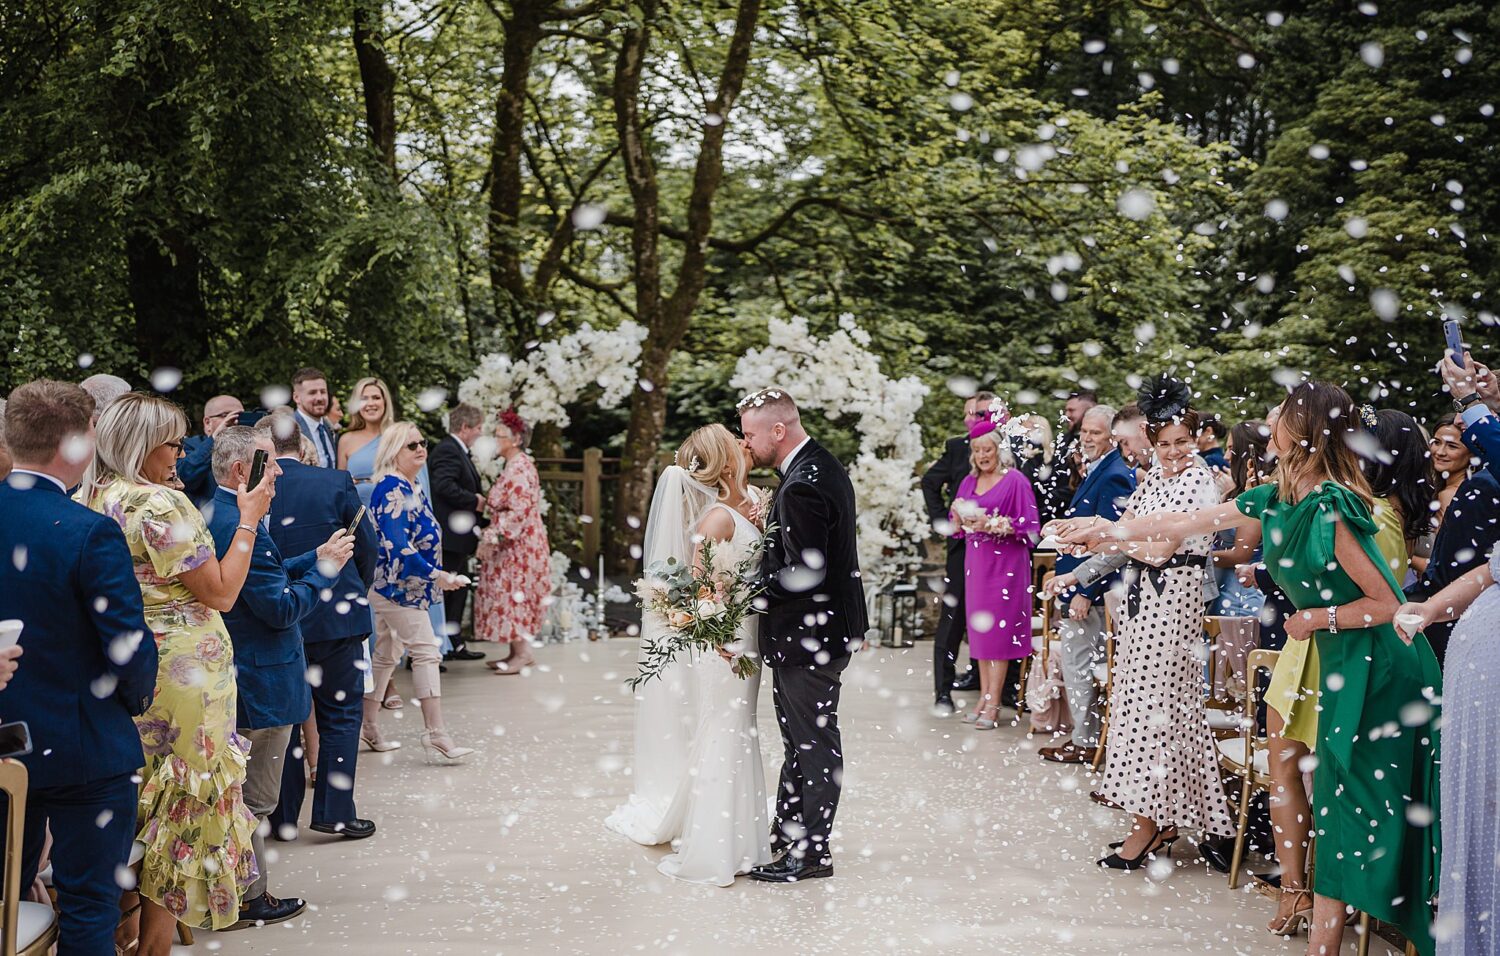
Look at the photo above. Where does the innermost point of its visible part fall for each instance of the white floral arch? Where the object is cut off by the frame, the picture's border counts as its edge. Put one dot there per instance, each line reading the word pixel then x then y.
pixel 840 374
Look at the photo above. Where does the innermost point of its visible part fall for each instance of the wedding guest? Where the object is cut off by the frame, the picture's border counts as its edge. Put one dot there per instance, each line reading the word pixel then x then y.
pixel 1451 459
pixel 1320 547
pixel 995 511
pixel 1081 609
pixel 77 596
pixel 104 389
pixel 270 668
pixel 6 462
pixel 1034 458
pixel 1468 891
pixel 1248 463
pixel 312 504
pixel 310 395
pixel 459 507
pixel 939 484
pixel 195 470
pixel 192 816
pixel 1162 766
pixel 1403 482
pixel 335 415
pixel 1065 474
pixel 515 561
pixel 408 577
pixel 1211 435
pixel 373 412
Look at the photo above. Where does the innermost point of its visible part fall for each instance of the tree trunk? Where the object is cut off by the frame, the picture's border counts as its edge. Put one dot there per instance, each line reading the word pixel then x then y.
pixel 171 318
pixel 377 77
pixel 515 312
pixel 666 322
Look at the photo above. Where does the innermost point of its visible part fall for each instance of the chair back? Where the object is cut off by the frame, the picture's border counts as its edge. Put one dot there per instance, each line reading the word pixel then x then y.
pixel 1256 661
pixel 13 779
pixel 1230 639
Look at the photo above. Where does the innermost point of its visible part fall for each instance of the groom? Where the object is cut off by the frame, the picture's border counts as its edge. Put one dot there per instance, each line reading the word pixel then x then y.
pixel 814 609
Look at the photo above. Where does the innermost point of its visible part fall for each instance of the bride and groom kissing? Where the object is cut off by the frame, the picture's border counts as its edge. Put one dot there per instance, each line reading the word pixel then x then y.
pixel 698 780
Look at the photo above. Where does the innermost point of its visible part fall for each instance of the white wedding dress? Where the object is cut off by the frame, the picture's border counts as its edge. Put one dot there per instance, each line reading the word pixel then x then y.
pixel 698 779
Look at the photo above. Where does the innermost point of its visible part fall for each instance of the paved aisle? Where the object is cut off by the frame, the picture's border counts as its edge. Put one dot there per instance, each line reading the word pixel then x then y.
pixel 947 837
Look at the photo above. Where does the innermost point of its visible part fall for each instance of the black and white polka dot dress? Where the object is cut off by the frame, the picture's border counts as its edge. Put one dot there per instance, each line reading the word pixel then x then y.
pixel 1161 761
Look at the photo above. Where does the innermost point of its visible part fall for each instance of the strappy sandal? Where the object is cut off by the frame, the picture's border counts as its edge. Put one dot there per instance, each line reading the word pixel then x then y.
pixel 1298 919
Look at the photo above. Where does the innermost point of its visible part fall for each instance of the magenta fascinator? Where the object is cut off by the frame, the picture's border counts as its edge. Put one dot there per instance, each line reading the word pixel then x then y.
pixel 982 427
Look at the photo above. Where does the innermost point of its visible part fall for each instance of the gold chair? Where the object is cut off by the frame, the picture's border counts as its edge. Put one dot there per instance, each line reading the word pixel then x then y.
pixel 30 929
pixel 1111 615
pixel 1043 565
pixel 1247 757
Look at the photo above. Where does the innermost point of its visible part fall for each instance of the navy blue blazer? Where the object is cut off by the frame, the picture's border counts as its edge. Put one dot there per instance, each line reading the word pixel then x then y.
pixel 89 661
pixel 1103 493
pixel 195 469
pixel 310 504
pixel 270 666
pixel 1483 438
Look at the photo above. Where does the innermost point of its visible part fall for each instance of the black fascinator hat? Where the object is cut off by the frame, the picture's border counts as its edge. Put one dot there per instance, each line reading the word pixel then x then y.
pixel 1163 399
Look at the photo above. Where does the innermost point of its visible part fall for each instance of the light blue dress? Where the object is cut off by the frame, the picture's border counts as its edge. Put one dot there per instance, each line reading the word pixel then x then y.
pixel 362 468
pixel 1468 919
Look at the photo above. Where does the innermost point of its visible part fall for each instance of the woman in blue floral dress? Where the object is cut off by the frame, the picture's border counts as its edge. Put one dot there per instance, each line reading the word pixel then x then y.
pixel 408 577
pixel 191 816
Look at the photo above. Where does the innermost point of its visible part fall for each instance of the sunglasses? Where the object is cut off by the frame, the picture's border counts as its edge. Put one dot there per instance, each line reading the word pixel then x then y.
pixel 414 445
pixel 175 445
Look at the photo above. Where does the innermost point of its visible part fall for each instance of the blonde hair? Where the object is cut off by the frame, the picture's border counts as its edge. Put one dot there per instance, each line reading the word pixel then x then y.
pixel 1041 431
pixel 307 452
pixel 711 451
pixel 1006 457
pixel 1319 419
pixel 352 407
pixel 132 427
pixel 391 442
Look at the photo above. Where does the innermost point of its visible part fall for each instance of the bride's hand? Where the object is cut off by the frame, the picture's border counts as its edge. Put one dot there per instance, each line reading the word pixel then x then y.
pixel 726 655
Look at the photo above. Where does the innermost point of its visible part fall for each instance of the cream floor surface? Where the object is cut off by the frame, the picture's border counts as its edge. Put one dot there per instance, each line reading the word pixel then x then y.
pixel 948 839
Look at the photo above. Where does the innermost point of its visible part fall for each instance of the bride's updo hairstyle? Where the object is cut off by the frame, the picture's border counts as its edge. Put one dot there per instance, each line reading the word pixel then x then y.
pixel 711 455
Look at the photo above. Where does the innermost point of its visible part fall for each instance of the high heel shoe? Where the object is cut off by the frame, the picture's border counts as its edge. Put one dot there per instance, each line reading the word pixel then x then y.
pixel 969 717
pixel 1298 920
pixel 1169 834
pixel 370 737
pixel 444 753
pixel 988 723
pixel 1117 862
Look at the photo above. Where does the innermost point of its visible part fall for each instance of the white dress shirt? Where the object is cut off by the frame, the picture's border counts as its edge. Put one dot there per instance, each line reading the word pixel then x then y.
pixel 787 461
pixel 37 474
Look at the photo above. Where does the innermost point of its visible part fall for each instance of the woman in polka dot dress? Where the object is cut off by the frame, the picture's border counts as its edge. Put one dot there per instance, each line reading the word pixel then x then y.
pixel 1161 764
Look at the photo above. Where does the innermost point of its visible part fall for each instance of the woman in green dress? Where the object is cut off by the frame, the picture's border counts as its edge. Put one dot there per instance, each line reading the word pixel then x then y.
pixel 191 815
pixel 1375 788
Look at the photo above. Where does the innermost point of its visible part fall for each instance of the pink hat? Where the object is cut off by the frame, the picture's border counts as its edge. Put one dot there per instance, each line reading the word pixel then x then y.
pixel 982 427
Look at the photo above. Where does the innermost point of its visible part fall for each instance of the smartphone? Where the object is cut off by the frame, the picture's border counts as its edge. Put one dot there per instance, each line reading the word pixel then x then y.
pixel 10 632
pixel 1455 341
pixel 358 517
pixel 257 469
pixel 15 739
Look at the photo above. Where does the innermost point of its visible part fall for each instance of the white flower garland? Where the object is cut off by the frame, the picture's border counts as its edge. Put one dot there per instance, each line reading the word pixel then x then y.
pixel 841 374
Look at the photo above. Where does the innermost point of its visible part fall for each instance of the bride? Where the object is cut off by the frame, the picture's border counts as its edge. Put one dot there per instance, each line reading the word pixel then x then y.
pixel 699 783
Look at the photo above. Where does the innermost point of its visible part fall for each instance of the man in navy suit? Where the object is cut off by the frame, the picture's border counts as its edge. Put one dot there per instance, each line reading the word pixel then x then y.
pixel 90 662
pixel 1106 487
pixel 195 469
pixel 311 503
pixel 310 395
pixel 270 668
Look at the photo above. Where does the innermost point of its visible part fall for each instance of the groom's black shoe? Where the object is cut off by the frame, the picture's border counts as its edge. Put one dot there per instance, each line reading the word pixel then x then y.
pixel 793 869
pixel 969 681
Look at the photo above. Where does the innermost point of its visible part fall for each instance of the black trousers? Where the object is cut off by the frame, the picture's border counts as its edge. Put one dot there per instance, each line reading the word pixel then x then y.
pixel 953 625
pixel 454 601
pixel 807 705
pixel 337 706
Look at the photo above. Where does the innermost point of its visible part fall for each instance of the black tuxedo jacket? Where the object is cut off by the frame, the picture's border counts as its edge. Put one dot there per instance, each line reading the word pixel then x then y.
pixel 455 483
pixel 940 483
pixel 815 600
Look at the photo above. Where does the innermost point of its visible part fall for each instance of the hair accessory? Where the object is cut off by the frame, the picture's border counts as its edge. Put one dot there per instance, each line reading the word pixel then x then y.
pixel 1163 398
pixel 512 420
pixel 982 427
pixel 692 465
pixel 1367 415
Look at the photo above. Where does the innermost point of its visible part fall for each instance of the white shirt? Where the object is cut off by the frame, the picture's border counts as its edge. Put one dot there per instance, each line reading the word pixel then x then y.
pixel 787 461
pixel 37 474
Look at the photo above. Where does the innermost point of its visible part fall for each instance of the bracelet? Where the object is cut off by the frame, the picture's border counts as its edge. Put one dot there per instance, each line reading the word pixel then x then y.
pixel 245 527
pixel 1333 620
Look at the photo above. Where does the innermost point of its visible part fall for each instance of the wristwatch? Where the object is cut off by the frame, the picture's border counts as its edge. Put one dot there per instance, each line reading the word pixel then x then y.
pixel 1462 404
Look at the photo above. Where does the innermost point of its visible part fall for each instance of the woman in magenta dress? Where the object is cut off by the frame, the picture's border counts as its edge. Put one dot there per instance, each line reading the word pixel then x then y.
pixel 995 511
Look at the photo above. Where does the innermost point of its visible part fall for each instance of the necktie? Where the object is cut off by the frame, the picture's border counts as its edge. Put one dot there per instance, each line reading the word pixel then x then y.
pixel 330 459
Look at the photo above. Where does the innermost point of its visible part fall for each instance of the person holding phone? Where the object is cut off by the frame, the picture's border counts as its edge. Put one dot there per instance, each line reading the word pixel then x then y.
pixel 408 578
pixel 196 468
pixel 312 504
pixel 76 609
pixel 264 625
pixel 192 806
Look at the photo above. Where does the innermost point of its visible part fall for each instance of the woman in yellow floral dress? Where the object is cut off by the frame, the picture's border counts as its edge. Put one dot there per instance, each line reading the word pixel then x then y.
pixel 191 816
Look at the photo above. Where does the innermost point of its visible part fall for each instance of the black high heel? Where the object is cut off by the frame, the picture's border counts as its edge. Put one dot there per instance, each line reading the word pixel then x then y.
pixel 1117 862
pixel 1170 830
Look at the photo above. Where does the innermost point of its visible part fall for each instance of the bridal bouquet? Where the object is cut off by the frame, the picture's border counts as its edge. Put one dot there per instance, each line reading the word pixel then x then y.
pixel 700 608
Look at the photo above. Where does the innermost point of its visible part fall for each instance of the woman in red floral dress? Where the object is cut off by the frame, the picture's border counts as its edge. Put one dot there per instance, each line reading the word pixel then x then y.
pixel 515 562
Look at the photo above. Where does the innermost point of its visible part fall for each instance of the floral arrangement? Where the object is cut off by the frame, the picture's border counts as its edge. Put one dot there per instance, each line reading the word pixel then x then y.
pixel 976 520
pixel 700 606
pixel 840 374
pixel 572 614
